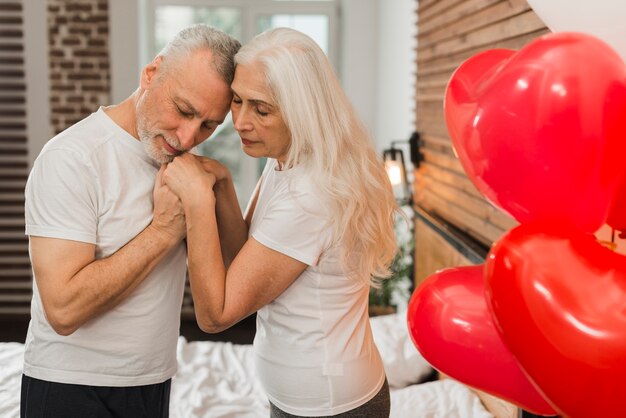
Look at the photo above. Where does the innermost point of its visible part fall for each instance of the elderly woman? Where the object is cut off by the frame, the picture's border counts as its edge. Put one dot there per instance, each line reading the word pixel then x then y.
pixel 317 231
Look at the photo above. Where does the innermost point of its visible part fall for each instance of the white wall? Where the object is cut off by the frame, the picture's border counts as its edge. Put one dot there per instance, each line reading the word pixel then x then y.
pixel 394 97
pixel 359 57
pixel 378 66
pixel 125 54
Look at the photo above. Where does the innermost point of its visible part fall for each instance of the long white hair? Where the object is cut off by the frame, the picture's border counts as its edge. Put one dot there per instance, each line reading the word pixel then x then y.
pixel 332 145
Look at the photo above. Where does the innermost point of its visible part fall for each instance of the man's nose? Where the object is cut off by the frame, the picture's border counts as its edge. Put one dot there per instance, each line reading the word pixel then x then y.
pixel 187 134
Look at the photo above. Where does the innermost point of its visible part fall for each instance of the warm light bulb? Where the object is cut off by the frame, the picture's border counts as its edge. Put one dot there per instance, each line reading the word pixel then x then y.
pixel 394 171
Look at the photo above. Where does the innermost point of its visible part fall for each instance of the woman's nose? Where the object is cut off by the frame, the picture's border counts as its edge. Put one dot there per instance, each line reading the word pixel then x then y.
pixel 241 122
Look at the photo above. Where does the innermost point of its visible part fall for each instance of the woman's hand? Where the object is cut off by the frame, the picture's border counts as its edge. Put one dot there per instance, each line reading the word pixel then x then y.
pixel 168 215
pixel 188 179
pixel 219 170
pixel 223 177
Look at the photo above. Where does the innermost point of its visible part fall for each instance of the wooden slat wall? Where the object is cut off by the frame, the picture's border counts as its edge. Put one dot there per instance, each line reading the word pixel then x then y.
pixel 15 277
pixel 449 32
pixel 453 216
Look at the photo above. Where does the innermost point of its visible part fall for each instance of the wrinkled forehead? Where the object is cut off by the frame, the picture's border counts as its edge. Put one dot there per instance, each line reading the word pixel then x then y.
pixel 250 82
pixel 197 82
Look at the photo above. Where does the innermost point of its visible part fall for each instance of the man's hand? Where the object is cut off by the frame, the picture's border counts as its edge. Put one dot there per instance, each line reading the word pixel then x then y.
pixel 186 177
pixel 168 216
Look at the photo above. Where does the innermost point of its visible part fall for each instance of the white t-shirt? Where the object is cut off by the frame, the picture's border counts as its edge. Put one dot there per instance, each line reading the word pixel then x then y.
pixel 314 350
pixel 93 183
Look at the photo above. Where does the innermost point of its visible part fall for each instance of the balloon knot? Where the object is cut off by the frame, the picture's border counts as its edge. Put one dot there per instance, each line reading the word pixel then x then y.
pixel 608 244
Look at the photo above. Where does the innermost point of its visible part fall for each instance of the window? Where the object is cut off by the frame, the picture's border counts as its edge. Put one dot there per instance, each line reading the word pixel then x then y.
pixel 242 19
pixel 316 26
pixel 171 19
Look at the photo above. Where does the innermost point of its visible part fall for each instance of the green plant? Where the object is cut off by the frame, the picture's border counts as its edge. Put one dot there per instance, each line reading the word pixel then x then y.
pixel 395 291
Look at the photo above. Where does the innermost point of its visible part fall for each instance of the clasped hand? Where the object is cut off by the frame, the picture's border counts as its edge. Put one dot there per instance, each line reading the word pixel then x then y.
pixel 187 181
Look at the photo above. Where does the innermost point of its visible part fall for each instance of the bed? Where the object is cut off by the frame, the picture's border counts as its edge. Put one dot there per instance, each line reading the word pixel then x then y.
pixel 217 380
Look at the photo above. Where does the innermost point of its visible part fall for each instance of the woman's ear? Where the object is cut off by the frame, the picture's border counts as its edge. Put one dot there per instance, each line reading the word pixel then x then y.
pixel 150 71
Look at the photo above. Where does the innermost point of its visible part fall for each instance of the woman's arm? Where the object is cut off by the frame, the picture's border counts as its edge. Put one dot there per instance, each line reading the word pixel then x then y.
pixel 257 274
pixel 231 225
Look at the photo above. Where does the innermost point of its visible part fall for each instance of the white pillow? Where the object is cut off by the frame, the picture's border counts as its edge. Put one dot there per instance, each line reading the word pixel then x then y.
pixel 404 365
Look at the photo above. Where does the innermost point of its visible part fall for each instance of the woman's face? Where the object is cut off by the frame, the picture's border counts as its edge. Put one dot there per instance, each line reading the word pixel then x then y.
pixel 256 117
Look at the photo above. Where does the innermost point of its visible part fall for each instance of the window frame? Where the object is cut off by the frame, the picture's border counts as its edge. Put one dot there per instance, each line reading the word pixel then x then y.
pixel 250 10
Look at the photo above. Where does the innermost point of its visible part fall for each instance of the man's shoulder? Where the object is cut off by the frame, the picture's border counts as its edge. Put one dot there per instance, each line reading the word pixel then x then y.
pixel 82 138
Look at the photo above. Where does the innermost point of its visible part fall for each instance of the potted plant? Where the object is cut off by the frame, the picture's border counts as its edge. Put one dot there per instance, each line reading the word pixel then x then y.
pixel 395 291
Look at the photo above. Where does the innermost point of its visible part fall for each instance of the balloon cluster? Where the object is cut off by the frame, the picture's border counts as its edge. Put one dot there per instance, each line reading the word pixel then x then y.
pixel 541 132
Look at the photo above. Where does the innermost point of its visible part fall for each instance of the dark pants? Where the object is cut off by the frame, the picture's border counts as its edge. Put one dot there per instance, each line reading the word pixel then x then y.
pixel 43 399
pixel 377 407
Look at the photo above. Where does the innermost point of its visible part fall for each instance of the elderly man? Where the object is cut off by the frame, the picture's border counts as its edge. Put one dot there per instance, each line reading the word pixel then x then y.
pixel 106 244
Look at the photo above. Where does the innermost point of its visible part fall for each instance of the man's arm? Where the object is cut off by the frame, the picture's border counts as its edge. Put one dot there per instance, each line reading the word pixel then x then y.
pixel 75 287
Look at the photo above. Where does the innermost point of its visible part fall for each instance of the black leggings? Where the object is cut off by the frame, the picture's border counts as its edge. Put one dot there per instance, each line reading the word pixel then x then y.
pixel 377 407
pixel 43 399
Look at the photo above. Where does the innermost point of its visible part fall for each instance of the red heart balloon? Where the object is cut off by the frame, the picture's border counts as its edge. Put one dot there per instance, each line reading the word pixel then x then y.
pixel 617 213
pixel 452 328
pixel 559 299
pixel 540 134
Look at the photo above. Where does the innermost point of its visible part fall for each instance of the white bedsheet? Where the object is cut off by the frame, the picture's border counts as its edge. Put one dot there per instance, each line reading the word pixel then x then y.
pixel 217 380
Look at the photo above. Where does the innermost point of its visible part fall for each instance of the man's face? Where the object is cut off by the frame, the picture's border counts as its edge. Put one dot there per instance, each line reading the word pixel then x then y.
pixel 180 107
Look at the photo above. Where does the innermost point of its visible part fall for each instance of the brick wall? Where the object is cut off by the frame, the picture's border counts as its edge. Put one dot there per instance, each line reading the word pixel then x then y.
pixel 78 33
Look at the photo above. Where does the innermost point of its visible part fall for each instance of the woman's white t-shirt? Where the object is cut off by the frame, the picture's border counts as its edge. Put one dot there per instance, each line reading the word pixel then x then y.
pixel 314 350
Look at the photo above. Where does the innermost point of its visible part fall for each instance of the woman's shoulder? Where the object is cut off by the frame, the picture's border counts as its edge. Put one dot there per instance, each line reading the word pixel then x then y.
pixel 294 190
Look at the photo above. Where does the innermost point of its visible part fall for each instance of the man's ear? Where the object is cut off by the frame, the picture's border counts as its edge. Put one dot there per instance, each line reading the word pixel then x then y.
pixel 150 71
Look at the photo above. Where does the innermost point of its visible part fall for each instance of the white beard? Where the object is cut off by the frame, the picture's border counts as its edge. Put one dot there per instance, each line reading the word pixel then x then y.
pixel 148 138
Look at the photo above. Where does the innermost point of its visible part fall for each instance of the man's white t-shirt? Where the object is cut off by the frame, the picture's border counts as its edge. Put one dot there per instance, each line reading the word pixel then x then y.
pixel 314 349
pixel 93 183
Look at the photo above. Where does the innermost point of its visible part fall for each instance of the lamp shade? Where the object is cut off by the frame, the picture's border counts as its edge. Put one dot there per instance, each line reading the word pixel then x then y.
pixel 396 171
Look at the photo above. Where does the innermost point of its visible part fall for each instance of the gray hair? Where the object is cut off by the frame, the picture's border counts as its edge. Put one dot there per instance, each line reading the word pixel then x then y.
pixel 203 37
